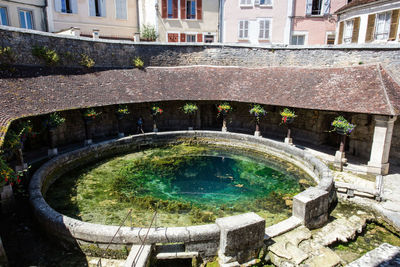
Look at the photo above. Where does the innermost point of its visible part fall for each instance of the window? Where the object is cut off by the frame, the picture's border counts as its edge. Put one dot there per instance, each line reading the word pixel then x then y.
pixel 298 39
pixel 246 2
pixel 318 7
pixel 172 8
pixel 265 2
pixel 190 9
pixel 25 19
pixel 120 9
pixel 330 39
pixel 191 38
pixel 3 16
pixel 66 6
pixel 243 29
pixel 209 38
pixel 97 8
pixel 348 31
pixel 382 26
pixel 264 25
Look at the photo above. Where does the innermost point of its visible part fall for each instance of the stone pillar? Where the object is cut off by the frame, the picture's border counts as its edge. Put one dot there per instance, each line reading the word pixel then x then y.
pixel 311 206
pixel 241 237
pixel 378 163
pixel 52 151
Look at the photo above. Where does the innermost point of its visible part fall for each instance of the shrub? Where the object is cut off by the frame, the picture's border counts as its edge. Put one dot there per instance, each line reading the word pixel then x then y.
pixel 6 56
pixel 148 33
pixel 138 63
pixel 47 55
pixel 55 120
pixel 86 61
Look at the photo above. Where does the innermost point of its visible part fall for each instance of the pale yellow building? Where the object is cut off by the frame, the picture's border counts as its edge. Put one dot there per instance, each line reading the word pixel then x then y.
pixel 28 14
pixel 188 20
pixel 114 19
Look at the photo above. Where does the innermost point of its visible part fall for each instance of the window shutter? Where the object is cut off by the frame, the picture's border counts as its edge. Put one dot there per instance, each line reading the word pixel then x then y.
pixel 308 7
pixel 103 8
pixel 183 9
pixel 183 37
pixel 92 9
pixel 57 5
pixel 267 29
pixel 369 37
pixel 164 9
pixel 246 29
pixel 120 6
pixel 175 9
pixel 356 29
pixel 199 37
pixel 199 9
pixel 261 33
pixel 327 7
pixel 394 24
pixel 74 6
pixel 340 37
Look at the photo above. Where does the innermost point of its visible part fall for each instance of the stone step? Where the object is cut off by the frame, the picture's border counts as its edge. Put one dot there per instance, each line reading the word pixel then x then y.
pixel 138 256
pixel 282 227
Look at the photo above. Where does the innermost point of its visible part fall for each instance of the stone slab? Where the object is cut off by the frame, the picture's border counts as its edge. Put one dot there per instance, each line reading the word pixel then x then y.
pixel 384 256
pixel 282 227
pixel 326 258
pixel 138 256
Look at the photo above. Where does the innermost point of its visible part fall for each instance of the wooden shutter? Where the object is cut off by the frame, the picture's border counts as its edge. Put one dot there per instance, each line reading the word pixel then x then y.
pixel 164 9
pixel 199 9
pixel 340 37
pixel 175 9
pixel 356 29
pixel 92 9
pixel 199 37
pixel 183 9
pixel 369 37
pixel 102 7
pixel 394 24
pixel 309 7
pixel 327 7
pixel 172 37
pixel 183 37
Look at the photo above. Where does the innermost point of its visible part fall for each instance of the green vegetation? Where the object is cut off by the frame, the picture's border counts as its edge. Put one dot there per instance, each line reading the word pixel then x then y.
pixel 148 33
pixel 189 108
pixel 186 184
pixel 138 63
pixel 47 55
pixel 7 56
pixel 86 61
pixel 55 120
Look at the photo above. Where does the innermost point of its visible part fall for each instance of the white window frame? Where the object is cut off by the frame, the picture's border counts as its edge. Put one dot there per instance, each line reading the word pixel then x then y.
pixel 269 28
pixel 248 3
pixel 26 11
pixel 7 21
pixel 297 33
pixel 100 8
pixel 376 34
pixel 348 31
pixel 190 33
pixel 326 37
pixel 244 29
pixel 126 10
pixel 322 9
pixel 186 6
pixel 258 3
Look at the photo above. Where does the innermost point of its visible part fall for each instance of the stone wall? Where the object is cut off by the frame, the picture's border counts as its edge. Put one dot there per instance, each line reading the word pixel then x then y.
pixel 309 127
pixel 108 53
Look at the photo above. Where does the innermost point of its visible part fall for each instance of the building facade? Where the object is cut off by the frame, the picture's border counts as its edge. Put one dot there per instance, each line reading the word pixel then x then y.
pixel 188 21
pixel 28 14
pixel 369 21
pixel 256 21
pixel 116 19
pixel 314 22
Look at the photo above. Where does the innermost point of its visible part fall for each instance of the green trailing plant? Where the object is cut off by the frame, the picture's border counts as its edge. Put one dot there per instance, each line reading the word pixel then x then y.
pixel 122 110
pixel 287 113
pixel 17 135
pixel 189 108
pixel 86 61
pixel 341 123
pixel 91 113
pixel 156 110
pixel 7 56
pixel 148 33
pixel 47 55
pixel 138 63
pixel 258 111
pixel 55 120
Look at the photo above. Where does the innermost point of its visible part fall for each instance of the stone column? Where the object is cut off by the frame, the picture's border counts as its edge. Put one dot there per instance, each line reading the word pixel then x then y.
pixel 241 237
pixel 52 151
pixel 378 163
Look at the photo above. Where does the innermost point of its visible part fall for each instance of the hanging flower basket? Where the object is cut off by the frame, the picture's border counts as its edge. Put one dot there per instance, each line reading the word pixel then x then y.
pixel 342 126
pixel 156 110
pixel 224 108
pixel 258 111
pixel 287 116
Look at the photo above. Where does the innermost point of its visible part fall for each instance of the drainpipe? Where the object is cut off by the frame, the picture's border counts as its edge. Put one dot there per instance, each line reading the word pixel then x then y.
pixel 46 21
pixel 138 19
pixel 221 21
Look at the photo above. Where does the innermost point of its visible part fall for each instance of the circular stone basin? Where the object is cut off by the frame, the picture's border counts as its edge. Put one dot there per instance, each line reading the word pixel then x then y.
pixel 186 184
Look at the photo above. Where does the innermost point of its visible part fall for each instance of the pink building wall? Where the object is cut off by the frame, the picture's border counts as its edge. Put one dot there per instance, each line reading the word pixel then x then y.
pixel 233 13
pixel 316 27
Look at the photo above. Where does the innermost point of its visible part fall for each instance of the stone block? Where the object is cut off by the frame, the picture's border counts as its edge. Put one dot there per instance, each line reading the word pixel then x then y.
pixel 311 206
pixel 240 237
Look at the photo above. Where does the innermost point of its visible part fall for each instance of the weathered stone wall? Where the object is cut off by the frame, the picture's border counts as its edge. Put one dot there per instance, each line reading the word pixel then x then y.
pixel 309 127
pixel 107 53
